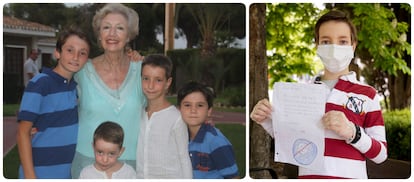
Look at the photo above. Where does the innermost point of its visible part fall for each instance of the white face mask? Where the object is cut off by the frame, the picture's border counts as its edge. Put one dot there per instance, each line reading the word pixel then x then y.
pixel 335 58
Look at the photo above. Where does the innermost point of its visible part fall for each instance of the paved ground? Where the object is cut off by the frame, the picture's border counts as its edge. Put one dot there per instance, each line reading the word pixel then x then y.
pixel 10 126
pixel 9 133
pixel 229 117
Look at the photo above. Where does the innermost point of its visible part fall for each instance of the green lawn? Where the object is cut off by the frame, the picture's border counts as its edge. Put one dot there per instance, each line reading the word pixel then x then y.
pixel 11 164
pixel 236 133
pixel 10 109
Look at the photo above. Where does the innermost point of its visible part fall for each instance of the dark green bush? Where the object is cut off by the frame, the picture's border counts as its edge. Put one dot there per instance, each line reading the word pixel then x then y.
pixel 398 131
pixel 233 96
pixel 235 59
pixel 226 68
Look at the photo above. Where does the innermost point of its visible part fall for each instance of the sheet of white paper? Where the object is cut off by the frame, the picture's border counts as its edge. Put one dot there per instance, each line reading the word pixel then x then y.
pixel 298 131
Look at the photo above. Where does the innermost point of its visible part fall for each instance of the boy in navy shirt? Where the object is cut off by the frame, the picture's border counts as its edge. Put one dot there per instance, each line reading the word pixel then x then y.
pixel 211 154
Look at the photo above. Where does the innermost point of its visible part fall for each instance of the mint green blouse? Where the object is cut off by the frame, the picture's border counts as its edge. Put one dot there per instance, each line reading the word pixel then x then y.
pixel 98 103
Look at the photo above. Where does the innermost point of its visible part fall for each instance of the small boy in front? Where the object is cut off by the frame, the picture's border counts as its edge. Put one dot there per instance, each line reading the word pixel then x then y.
pixel 211 154
pixel 50 105
pixel 107 146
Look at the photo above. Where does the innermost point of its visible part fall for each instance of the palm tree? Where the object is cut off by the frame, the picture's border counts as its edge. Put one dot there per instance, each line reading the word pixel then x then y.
pixel 210 18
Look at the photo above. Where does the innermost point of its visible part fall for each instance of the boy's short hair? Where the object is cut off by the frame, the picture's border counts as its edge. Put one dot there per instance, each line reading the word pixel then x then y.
pixel 159 60
pixel 110 132
pixel 192 87
pixel 338 16
pixel 66 33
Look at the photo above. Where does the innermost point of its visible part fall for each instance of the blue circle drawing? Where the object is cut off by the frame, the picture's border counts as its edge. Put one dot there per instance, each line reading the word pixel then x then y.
pixel 304 151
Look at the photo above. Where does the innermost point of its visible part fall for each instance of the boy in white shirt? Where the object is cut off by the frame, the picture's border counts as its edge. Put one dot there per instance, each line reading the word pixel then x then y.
pixel 162 150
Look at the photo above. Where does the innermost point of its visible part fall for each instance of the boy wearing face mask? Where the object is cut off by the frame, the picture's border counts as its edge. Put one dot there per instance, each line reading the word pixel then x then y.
pixel 354 126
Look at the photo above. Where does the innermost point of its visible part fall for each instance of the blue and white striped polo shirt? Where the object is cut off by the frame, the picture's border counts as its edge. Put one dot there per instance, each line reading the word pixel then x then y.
pixel 50 102
pixel 212 155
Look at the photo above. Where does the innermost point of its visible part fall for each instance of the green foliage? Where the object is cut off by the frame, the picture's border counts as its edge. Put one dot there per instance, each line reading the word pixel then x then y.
pixel 398 132
pixel 236 134
pixel 234 60
pixel 11 164
pixel 146 40
pixel 289 40
pixel 214 19
pixel 382 37
pixel 226 68
pixel 383 43
pixel 10 109
pixel 234 96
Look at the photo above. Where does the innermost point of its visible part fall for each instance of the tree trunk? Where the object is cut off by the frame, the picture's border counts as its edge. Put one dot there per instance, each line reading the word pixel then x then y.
pixel 208 46
pixel 400 85
pixel 400 91
pixel 169 27
pixel 260 142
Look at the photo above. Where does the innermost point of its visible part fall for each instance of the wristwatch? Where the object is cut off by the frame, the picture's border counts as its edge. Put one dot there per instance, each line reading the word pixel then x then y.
pixel 357 134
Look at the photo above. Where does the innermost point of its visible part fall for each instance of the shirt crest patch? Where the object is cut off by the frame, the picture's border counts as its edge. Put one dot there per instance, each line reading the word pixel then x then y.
pixel 356 105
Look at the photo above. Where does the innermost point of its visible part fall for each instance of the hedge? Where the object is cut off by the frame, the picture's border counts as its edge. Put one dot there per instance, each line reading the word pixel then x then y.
pixel 398 133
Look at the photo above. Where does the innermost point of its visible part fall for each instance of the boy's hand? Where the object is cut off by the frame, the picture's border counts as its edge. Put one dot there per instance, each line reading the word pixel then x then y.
pixel 33 131
pixel 338 123
pixel 134 55
pixel 209 121
pixel 261 111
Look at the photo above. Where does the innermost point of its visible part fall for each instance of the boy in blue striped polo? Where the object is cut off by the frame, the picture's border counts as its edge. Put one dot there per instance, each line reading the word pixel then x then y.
pixel 50 105
pixel 211 154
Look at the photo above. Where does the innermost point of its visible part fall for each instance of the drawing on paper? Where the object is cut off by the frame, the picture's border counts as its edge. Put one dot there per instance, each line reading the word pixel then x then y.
pixel 304 151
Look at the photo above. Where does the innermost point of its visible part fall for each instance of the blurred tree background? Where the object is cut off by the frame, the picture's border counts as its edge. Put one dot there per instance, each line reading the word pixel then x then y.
pixel 212 54
pixel 216 25
pixel 383 52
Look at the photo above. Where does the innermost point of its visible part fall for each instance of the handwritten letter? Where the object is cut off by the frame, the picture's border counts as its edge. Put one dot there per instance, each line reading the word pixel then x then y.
pixel 299 133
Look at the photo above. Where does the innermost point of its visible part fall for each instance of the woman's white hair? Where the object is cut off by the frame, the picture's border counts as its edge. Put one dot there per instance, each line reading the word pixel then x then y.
pixel 130 15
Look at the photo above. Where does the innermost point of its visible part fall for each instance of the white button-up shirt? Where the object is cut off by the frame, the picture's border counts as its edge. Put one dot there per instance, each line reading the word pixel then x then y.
pixel 162 149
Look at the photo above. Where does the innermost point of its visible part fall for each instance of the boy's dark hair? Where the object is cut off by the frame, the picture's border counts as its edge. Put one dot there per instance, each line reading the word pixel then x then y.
pixel 193 86
pixel 159 60
pixel 66 33
pixel 339 16
pixel 110 132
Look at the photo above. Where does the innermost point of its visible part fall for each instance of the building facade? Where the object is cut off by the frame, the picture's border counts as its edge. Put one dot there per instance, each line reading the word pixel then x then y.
pixel 19 38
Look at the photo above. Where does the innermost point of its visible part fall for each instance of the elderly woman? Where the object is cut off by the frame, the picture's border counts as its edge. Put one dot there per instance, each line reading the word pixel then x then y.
pixel 110 85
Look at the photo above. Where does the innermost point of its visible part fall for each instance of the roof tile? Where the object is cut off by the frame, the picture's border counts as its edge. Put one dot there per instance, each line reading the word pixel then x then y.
pixel 15 23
